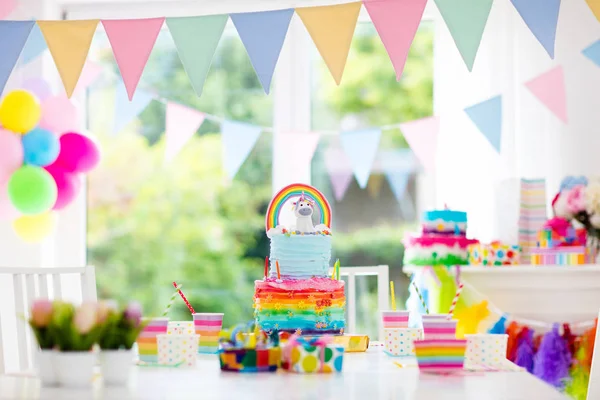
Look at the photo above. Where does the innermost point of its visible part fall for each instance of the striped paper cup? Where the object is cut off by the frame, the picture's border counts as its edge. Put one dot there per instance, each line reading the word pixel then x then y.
pixel 146 341
pixel 395 319
pixel 429 317
pixel 439 328
pixel 440 356
pixel 208 326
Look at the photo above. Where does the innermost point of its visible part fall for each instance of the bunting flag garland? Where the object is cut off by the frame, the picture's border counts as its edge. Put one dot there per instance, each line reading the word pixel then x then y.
pixel 549 88
pixel 593 52
pixel 238 141
pixel 35 46
pixel 298 150
pixel 397 165
pixel 69 43
pixel 422 137
pixel 487 116
pixel 132 41
pixel 339 169
pixel 6 7
pixel 361 148
pixel 196 55
pixel 331 29
pixel 541 17
pixel 396 22
pixel 181 124
pixel 466 20
pixel 18 32
pixel 263 34
pixel 595 7
pixel 125 110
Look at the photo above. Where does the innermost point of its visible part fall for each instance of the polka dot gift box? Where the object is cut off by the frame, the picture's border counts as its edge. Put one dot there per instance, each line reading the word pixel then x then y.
pixel 494 254
pixel 400 342
pixel 486 349
pixel 177 349
pixel 312 355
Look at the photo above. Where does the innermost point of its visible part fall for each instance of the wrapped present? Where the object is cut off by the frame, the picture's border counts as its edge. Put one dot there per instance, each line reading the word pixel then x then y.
pixel 569 255
pixel 177 350
pixel 315 354
pixel 250 360
pixel 558 232
pixel 181 328
pixel 495 253
pixel 352 343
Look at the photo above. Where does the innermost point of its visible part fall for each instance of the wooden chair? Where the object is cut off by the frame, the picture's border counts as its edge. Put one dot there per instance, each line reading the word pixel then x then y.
pixel 594 384
pixel 29 284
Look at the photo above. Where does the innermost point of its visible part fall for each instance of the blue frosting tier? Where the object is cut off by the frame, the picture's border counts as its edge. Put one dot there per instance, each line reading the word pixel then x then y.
pixel 445 215
pixel 300 256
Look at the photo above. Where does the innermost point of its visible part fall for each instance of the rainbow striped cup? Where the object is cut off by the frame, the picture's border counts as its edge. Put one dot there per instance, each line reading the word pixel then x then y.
pixel 146 341
pixel 440 356
pixel 439 328
pixel 208 326
pixel 395 319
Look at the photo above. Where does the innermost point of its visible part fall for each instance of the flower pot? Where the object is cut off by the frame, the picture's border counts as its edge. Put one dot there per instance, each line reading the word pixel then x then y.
pixel 116 366
pixel 46 370
pixel 75 368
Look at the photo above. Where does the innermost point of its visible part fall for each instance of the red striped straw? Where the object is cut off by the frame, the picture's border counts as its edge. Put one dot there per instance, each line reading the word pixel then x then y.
pixel 187 303
pixel 278 272
pixel 266 267
pixel 456 296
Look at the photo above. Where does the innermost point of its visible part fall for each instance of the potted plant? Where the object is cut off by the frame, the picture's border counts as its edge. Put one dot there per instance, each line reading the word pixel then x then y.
pixel 120 329
pixel 76 330
pixel 40 323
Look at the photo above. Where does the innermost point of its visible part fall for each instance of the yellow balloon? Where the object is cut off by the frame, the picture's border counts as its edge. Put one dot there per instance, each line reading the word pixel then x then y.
pixel 20 111
pixel 35 228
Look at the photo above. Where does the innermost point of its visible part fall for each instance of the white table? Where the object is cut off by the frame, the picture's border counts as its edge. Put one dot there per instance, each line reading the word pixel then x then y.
pixel 367 376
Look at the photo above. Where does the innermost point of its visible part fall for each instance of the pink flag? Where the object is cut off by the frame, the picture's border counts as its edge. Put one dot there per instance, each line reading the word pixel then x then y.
pixel 339 169
pixel 91 71
pixel 132 41
pixel 422 136
pixel 396 22
pixel 182 124
pixel 298 148
pixel 549 88
pixel 6 7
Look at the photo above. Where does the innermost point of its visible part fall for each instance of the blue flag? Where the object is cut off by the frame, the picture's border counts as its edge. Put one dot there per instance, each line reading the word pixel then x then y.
pixel 35 46
pixel 263 34
pixel 238 141
pixel 541 17
pixel 126 110
pixel 593 52
pixel 398 165
pixel 361 148
pixel 14 35
pixel 487 116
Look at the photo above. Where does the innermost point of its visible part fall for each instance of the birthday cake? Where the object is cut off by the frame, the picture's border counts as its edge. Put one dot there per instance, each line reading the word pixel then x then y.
pixel 442 241
pixel 297 294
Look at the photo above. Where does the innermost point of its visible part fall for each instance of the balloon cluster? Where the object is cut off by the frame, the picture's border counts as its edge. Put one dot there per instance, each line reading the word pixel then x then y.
pixel 39 169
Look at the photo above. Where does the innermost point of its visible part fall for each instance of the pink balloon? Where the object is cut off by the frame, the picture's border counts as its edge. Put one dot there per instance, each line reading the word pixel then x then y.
pixel 78 153
pixel 7 211
pixel 68 185
pixel 11 153
pixel 59 115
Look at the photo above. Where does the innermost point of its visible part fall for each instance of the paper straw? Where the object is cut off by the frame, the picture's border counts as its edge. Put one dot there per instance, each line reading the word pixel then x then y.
pixel 393 295
pixel 278 272
pixel 187 303
pixel 266 267
pixel 456 296
pixel 420 297
pixel 171 301
pixel 337 269
pixel 334 271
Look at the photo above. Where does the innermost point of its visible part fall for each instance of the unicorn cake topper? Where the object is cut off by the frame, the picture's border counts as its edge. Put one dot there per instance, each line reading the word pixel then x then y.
pixel 303 210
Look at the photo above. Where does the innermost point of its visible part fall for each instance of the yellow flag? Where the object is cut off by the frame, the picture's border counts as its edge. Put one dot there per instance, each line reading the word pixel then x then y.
pixel 69 43
pixel 332 28
pixel 375 183
pixel 595 6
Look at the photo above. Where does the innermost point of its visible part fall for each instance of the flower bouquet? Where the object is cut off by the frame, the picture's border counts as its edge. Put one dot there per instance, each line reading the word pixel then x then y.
pixel 40 323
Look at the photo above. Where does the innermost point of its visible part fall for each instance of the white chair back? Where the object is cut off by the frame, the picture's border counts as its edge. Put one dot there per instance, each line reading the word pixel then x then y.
pixel 383 292
pixel 29 284
pixel 594 384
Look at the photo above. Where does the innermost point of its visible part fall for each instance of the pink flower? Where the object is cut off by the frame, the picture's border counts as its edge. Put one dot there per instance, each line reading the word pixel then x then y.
pixel 85 317
pixel 41 313
pixel 133 313
pixel 575 199
pixel 560 207
pixel 104 309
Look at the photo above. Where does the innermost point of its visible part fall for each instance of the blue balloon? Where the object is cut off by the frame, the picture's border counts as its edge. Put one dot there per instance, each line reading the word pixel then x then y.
pixel 40 147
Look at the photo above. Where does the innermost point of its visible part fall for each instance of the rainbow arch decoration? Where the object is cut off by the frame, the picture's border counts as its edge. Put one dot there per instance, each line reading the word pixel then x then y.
pixel 296 190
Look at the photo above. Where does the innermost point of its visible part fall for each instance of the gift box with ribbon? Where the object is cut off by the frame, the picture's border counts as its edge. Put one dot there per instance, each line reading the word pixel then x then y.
pixel 317 354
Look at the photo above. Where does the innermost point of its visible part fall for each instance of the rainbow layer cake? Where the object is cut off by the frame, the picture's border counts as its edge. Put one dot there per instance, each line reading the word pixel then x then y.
pixel 440 355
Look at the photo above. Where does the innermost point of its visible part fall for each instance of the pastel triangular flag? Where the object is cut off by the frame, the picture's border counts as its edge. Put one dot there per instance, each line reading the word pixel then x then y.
pixel 126 110
pixel 398 181
pixel 196 55
pixel 396 22
pixel 593 52
pixel 422 137
pixel 69 43
pixel 466 20
pixel 132 41
pixel 181 125
pixel 487 116
pixel 595 7
pixel 263 34
pixel 549 88
pixel 6 7
pixel 14 34
pixel 35 46
pixel 397 166
pixel 238 141
pixel 339 170
pixel 298 148
pixel 331 29
pixel 361 148
pixel 541 17
pixel 374 185
pixel 91 71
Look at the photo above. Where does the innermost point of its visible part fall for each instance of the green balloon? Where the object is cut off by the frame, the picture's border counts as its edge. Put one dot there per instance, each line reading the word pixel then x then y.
pixel 32 190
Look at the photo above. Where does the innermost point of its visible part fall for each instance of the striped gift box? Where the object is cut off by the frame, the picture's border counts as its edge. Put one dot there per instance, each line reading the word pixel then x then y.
pixel 569 255
pixel 440 356
pixel 208 326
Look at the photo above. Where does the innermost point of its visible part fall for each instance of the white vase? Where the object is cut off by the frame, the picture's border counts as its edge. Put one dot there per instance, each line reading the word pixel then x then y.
pixel 116 366
pixel 75 368
pixel 46 369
